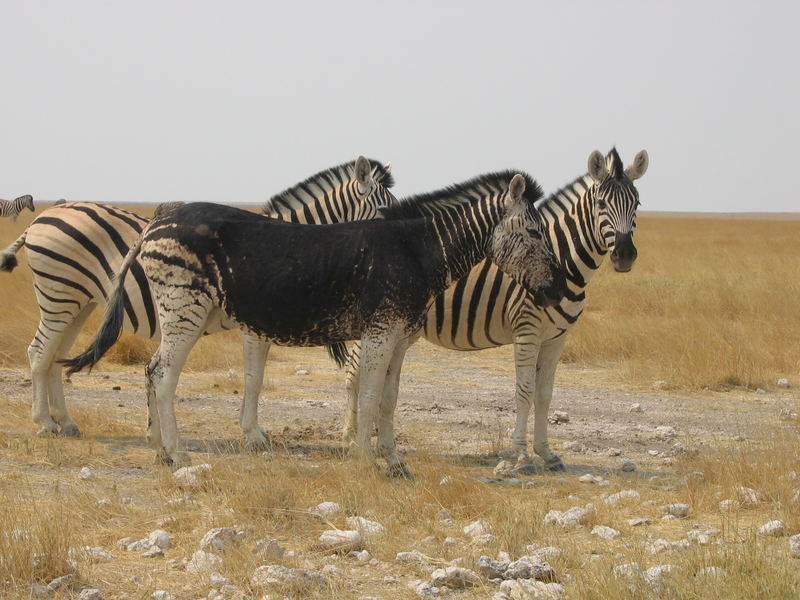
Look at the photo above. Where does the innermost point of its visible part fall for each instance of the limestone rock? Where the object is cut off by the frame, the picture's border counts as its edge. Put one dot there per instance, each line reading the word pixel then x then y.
pixel 504 468
pixel 87 474
pixel 280 575
pixel 526 589
pixel 794 546
pixel 678 510
pixel 491 569
pixel 91 594
pixel 558 416
pixel 268 550
pixel 530 567
pixel 202 562
pixel 368 529
pixel 220 539
pixel 772 529
pixel 90 554
pixel 192 476
pixel 604 532
pixel 568 518
pixel 454 578
pixel 159 538
pixel 328 510
pixel 622 495
pixel 341 540
pixel 477 528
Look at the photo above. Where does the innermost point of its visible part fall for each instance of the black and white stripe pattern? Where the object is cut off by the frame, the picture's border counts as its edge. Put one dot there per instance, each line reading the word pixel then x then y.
pixel 75 248
pixel 12 208
pixel 593 216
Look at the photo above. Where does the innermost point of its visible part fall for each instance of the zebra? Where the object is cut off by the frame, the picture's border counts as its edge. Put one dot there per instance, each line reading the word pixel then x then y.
pixel 590 218
pixel 12 208
pixel 370 280
pixel 74 250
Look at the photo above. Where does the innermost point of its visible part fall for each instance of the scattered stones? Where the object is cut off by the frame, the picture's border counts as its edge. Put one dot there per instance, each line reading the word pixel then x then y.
pixel 268 549
pixel 477 528
pixel 504 468
pixel 787 414
pixel 558 416
pixel 220 539
pixel 782 382
pixel 491 569
pixel 665 432
pixel 772 529
pixel 661 545
pixel 613 452
pixel 414 557
pixel 87 474
pixel 747 495
pixel 327 510
pixel 368 529
pixel 794 546
pixel 162 595
pixel 638 521
pixel 568 518
pixel 123 543
pixel 159 538
pixel 606 533
pixel 627 570
pixel 90 554
pixel 542 554
pixel 573 446
pixel 301 372
pixel 423 589
pixel 280 575
pixel 636 407
pixel 614 499
pixel 654 575
pixel 455 578
pixel 153 552
pixel 593 479
pixel 524 589
pixel 711 572
pixel 681 511
pixel 530 567
pixel 217 581
pixel 702 537
pixel 628 466
pixel 450 541
pixel 483 540
pixel 91 594
pixel 363 556
pixel 340 540
pixel 192 476
pixel 203 562
pixel 728 504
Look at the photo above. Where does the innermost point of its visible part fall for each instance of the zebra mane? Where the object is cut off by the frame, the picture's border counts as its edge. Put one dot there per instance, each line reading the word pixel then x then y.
pixel 461 194
pixel 328 179
pixel 575 189
pixel 615 167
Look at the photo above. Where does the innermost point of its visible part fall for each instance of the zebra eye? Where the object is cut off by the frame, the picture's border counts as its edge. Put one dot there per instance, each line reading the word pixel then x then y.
pixel 602 204
pixel 534 233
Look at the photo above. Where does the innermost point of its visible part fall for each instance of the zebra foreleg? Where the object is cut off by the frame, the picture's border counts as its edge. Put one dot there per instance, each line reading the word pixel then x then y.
pixel 525 353
pixel 549 355
pixel 351 384
pixel 387 447
pixel 255 358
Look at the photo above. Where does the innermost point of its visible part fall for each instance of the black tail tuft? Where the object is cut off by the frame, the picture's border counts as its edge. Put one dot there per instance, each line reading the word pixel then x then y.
pixel 8 261
pixel 339 353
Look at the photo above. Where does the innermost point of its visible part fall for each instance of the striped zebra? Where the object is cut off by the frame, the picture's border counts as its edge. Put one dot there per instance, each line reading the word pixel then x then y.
pixel 12 208
pixel 75 248
pixel 590 218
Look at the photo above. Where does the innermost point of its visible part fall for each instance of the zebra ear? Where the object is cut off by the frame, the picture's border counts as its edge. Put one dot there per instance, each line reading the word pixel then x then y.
pixel 363 170
pixel 388 167
pixel 516 188
pixel 639 166
pixel 597 166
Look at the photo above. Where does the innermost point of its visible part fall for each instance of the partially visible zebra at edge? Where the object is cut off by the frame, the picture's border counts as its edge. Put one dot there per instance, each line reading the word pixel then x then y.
pixel 75 248
pixel 12 208
pixel 593 216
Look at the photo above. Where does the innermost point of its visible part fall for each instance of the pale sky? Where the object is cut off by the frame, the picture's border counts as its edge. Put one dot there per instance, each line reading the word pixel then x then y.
pixel 152 101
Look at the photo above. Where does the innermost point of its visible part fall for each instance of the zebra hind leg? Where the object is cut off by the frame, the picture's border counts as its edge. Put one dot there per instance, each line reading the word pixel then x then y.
pixel 41 356
pixel 352 381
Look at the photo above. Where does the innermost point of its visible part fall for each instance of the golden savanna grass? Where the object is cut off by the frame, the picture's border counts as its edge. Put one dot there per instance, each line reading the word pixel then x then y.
pixel 710 303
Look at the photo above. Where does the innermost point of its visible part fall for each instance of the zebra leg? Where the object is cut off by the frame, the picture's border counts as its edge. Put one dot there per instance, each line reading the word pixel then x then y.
pixel 42 352
pixel 387 447
pixel 526 350
pixel 549 354
pixel 55 384
pixel 376 354
pixel 351 384
pixel 255 359
pixel 153 422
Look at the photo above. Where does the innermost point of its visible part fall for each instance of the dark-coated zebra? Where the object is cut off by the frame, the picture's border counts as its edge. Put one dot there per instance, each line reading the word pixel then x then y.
pixel 74 249
pixel 590 218
pixel 12 208
pixel 308 285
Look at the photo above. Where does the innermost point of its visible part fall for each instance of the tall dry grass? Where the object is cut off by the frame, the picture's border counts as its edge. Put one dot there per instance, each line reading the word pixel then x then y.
pixel 710 303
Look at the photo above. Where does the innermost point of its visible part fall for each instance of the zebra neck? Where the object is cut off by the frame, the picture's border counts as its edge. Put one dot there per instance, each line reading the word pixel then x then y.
pixel 574 232
pixel 463 235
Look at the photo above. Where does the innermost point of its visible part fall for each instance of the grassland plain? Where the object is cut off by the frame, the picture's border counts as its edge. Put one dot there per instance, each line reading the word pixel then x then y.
pixel 709 312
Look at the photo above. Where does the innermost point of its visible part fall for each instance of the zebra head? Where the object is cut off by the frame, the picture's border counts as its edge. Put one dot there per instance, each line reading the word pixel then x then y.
pixel 25 201
pixel 373 181
pixel 614 200
pixel 520 247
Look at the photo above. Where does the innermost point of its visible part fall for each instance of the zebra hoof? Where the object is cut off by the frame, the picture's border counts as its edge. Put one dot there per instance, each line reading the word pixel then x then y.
pixel 258 443
pixel 399 471
pixel 176 459
pixel 46 431
pixel 70 430
pixel 555 465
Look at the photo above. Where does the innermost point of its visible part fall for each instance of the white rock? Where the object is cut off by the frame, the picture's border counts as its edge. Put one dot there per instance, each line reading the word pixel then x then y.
pixel 202 562
pixel 90 554
pixel 482 540
pixel 192 476
pixel 159 538
pixel 573 446
pixel 331 571
pixel 638 521
pixel 341 540
pixel 794 546
pixel 661 545
pixel 665 432
pixel 301 372
pixel 728 504
pixel 703 537
pixel 613 452
pixel 450 541
pixel 91 594
pixel 491 569
pixel 153 552
pixel 369 529
pixel 60 582
pixel 363 556
pixel 654 575
pixel 569 518
pixel 589 478
pixel 676 510
pixel 217 581
pixel 559 416
pixel 455 578
pixel 423 589
pixel 544 553
pixel 772 529
pixel 653 452
pixel 220 539
pixel 162 595
pixel 747 495
pixel 504 468
pixel 622 495
pixel 86 473
pixel 627 570
pixel 328 510
pixel 477 528
pixel 782 382
pixel 414 557
pixel 606 533
pixel 525 589
pixel 268 549
pixel 280 575
pixel 138 545
pixel 529 567
pixel 635 407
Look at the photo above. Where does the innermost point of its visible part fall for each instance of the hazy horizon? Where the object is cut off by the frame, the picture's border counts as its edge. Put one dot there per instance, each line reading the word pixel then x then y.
pixel 151 102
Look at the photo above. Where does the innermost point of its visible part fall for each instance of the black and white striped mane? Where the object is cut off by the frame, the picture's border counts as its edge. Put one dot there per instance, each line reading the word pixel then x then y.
pixel 462 194
pixel 298 195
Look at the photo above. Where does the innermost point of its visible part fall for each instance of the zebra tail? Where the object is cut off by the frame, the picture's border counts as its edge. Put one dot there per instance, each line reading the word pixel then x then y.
pixel 8 257
pixel 338 352
pixel 113 318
